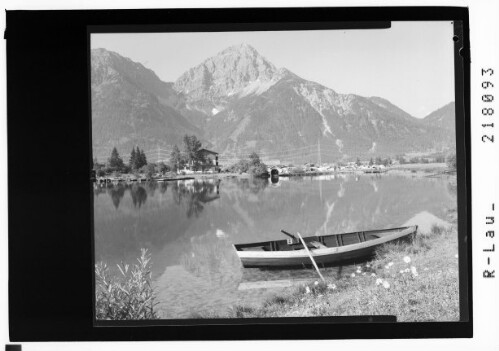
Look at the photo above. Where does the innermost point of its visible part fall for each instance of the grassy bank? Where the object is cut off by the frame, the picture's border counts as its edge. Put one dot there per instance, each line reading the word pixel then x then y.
pixel 415 281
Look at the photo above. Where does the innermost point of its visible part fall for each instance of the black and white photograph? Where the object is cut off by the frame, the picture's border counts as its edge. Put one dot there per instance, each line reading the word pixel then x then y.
pixel 272 174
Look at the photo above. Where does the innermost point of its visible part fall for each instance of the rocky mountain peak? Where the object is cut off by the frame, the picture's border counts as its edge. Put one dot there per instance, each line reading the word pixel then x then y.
pixel 224 75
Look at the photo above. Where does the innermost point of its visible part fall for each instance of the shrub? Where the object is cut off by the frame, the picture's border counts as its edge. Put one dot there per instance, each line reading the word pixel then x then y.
pixel 437 229
pixel 297 170
pixel 127 296
pixel 451 161
pixel 258 170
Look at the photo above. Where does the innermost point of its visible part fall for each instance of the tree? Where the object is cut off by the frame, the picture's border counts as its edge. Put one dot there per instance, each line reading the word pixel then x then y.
pixel 401 159
pixel 371 162
pixel 137 159
pixel 133 159
pixel 143 159
pixel 378 160
pixel 140 159
pixel 254 159
pixel 115 162
pixel 357 162
pixel 163 168
pixel 151 169
pixel 191 150
pixel 176 158
pixel 258 170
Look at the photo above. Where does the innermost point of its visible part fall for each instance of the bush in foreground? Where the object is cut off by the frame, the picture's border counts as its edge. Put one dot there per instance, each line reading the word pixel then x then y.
pixel 127 296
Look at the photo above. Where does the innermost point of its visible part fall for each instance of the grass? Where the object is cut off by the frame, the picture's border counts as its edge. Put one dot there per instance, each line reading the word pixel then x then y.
pixel 128 295
pixel 415 281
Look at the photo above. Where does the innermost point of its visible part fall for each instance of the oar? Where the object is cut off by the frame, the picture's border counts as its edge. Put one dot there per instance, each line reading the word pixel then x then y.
pixel 288 234
pixel 310 255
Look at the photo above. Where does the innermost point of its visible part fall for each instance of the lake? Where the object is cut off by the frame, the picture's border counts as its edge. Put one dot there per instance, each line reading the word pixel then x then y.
pixel 190 226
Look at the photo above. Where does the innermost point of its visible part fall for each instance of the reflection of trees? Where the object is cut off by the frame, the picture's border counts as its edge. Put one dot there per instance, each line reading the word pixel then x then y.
pixel 139 195
pixel 258 184
pixel 162 187
pixel 195 194
pixel 151 188
pixel 116 192
pixel 98 190
pixel 254 185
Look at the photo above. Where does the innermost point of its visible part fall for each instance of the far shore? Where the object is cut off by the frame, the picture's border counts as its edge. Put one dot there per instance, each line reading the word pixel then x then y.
pixel 410 169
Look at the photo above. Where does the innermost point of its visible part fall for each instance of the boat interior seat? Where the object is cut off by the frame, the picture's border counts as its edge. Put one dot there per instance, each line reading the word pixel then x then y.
pixel 317 245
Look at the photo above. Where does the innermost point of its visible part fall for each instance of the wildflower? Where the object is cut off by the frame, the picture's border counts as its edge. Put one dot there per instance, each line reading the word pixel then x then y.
pixel 316 283
pixel 368 265
pixel 426 268
pixel 379 281
pixel 331 286
pixel 387 267
pixel 386 285
pixel 364 273
pixel 407 270
pixel 407 259
pixel 390 264
pixel 307 290
pixel 373 274
pixel 358 271
pixel 414 271
pixel 401 271
pixel 359 267
pixel 353 275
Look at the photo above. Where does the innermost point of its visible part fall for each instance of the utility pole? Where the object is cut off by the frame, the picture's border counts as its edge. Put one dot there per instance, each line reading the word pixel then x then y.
pixel 319 152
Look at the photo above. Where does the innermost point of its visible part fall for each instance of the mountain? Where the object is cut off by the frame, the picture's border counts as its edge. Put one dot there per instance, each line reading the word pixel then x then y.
pixel 444 117
pixel 232 73
pixel 238 102
pixel 442 123
pixel 132 106
pixel 291 118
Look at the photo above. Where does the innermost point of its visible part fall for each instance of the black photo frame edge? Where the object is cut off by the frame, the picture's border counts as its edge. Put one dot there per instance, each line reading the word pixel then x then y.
pixel 32 320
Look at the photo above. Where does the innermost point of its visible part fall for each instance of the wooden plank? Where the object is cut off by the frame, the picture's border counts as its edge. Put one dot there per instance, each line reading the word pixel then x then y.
pixel 359 237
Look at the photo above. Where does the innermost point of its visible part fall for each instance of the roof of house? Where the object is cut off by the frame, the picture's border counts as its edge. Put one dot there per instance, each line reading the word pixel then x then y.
pixel 206 151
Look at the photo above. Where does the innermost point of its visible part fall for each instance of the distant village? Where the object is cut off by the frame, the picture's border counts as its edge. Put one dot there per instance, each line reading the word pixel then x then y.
pixel 194 160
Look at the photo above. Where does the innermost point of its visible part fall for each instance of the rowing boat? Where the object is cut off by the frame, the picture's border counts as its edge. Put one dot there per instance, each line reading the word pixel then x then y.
pixel 325 249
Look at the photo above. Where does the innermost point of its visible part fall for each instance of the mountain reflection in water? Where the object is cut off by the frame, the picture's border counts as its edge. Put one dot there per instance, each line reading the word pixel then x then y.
pixel 190 226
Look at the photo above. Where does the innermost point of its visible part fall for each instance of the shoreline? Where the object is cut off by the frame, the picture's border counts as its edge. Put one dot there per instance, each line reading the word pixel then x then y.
pixel 415 170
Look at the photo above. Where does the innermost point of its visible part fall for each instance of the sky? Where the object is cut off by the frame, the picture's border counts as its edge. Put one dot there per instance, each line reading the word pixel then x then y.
pixel 411 64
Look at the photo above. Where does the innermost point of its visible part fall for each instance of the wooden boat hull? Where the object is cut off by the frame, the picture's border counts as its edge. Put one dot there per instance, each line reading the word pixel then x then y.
pixel 323 255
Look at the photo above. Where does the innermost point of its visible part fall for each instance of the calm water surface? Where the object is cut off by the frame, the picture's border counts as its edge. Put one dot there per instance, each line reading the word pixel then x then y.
pixel 190 226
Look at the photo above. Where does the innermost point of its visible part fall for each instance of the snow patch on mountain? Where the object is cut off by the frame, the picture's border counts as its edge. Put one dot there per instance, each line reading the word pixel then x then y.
pixel 340 145
pixel 256 87
pixel 373 147
pixel 321 99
